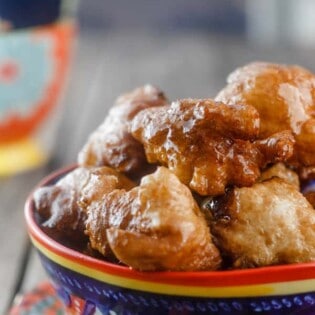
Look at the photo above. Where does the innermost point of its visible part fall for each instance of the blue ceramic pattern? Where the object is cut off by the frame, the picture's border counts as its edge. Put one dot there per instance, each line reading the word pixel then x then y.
pixel 30 54
pixel 113 300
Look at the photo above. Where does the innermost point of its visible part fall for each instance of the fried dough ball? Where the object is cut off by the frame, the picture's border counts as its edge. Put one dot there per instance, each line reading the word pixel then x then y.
pixel 102 180
pixel 209 145
pixel 111 144
pixel 62 206
pixel 267 224
pixel 281 171
pixel 285 99
pixel 154 226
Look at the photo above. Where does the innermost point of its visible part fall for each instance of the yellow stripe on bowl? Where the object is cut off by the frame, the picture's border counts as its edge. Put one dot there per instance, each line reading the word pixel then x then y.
pixel 279 288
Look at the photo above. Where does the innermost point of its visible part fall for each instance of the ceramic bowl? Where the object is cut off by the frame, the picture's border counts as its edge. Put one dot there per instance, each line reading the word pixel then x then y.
pixel 91 286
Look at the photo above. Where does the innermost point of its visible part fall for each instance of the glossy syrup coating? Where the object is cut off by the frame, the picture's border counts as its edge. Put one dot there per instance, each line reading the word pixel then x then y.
pixel 209 145
pixel 154 226
pixel 285 99
pixel 111 144
pixel 269 223
pixel 63 206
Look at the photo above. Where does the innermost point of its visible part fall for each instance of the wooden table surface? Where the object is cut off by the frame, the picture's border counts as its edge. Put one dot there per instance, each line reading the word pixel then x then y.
pixel 105 65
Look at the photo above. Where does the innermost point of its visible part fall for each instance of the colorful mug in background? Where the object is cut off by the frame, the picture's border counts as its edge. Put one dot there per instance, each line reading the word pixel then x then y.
pixel 36 42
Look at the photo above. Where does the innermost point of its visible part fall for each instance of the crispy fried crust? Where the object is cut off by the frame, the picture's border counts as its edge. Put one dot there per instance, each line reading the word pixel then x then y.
pixel 209 145
pixel 155 226
pixel 239 154
pixel 281 171
pixel 266 224
pixel 285 99
pixel 111 144
pixel 62 206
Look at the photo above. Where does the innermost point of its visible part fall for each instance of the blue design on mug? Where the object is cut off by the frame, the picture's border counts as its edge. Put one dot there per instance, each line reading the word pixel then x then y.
pixel 26 68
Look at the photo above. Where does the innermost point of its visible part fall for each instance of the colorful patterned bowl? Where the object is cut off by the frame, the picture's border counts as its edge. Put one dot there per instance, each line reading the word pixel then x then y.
pixel 89 286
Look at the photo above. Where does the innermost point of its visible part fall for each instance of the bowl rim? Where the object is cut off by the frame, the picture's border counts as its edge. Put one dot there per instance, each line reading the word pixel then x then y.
pixel 281 274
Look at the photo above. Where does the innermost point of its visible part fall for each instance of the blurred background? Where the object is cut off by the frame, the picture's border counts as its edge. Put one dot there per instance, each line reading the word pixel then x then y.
pixel 187 48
